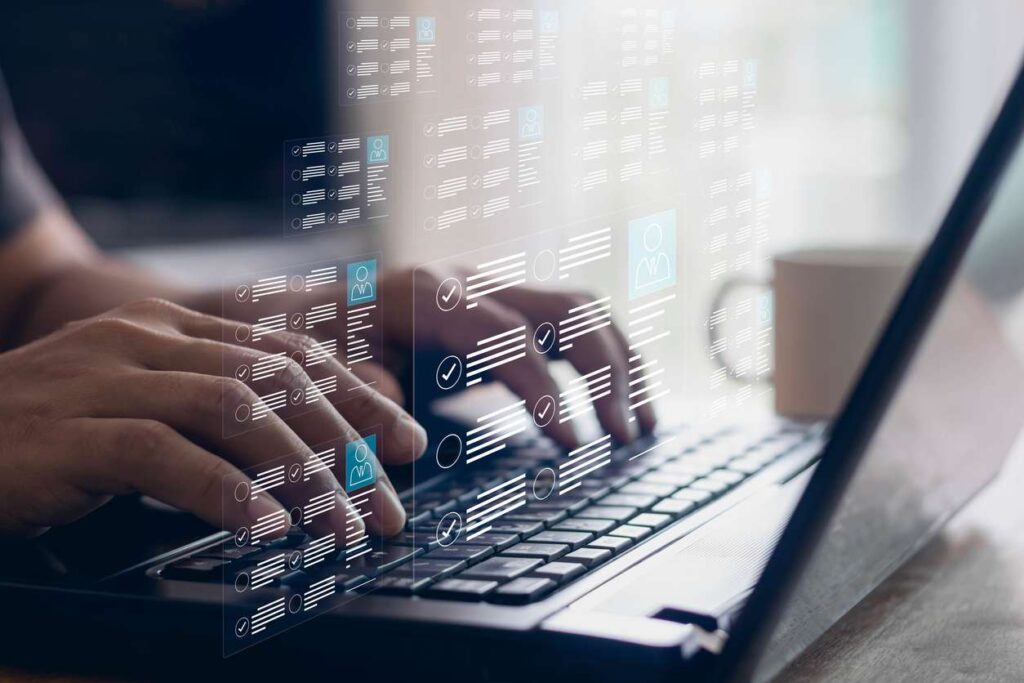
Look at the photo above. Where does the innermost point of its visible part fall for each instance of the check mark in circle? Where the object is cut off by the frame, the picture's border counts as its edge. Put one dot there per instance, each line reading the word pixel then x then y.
pixel 449 372
pixel 449 294
pixel 449 529
pixel 544 338
pixel 544 411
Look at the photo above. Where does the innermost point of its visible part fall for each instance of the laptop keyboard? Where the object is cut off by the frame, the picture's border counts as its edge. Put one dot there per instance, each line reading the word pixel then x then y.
pixel 533 551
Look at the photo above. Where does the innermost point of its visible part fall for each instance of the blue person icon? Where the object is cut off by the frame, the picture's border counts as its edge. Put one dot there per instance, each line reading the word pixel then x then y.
pixel 360 463
pixel 378 149
pixel 531 123
pixel 426 29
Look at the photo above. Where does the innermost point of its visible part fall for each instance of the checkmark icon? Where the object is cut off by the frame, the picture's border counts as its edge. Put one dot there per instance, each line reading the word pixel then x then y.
pixel 451 292
pixel 451 527
pixel 447 375
pixel 544 338
pixel 543 413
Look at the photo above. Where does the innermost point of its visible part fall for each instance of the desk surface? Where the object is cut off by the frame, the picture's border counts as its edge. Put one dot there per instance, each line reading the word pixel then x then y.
pixel 954 612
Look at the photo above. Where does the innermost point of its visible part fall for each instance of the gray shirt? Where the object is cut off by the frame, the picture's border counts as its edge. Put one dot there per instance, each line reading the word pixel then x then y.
pixel 24 189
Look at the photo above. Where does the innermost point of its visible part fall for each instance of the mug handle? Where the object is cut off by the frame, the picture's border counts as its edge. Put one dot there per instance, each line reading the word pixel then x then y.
pixel 717 302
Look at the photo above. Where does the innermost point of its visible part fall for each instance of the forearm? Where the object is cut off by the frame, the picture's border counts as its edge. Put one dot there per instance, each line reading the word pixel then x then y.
pixel 51 274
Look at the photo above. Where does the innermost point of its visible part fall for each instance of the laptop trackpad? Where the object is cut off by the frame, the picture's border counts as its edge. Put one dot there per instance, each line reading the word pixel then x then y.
pixel 706 572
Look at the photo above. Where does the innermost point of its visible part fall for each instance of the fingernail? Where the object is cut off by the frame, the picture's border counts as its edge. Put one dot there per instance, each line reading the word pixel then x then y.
pixel 392 509
pixel 413 436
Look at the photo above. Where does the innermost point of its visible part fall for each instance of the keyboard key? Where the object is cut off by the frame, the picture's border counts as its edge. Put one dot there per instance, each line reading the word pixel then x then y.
pixel 390 556
pixel 416 539
pixel 649 489
pixel 634 532
pixel 560 572
pixel 746 465
pixel 614 543
pixel 547 517
pixel 471 554
pixel 502 568
pixel 671 506
pixel 504 526
pixel 403 585
pixel 676 479
pixel 727 477
pixel 569 505
pixel 629 500
pixel 196 569
pixel 588 557
pixel 545 551
pixel 712 486
pixel 414 520
pixel 498 541
pixel 462 589
pixel 694 495
pixel 689 464
pixel 617 514
pixel 651 520
pixel 522 591
pixel 229 553
pixel 573 539
pixel 421 568
pixel 596 526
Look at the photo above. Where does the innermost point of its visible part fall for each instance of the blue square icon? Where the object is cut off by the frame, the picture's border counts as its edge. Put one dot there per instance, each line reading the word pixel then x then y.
pixel 765 305
pixel 378 148
pixel 531 123
pixel 652 253
pixel 750 74
pixel 361 463
pixel 548 22
pixel 362 282
pixel 426 29
pixel 657 94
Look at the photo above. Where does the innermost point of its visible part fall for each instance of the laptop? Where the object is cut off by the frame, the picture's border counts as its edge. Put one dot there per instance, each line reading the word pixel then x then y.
pixel 720 558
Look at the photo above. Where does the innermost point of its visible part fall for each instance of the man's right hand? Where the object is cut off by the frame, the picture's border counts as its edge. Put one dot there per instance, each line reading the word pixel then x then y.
pixel 133 401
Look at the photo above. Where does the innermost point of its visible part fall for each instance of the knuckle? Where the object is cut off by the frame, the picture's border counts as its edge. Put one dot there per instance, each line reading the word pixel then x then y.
pixel 144 437
pixel 228 391
pixel 107 328
pixel 293 375
pixel 153 303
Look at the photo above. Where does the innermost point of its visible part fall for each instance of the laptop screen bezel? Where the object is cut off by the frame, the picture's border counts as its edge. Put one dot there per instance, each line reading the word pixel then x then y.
pixel 874 391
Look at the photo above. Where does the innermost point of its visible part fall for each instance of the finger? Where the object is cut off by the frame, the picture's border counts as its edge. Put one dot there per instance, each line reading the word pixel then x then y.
pixel 598 353
pixel 403 438
pixel 589 353
pixel 306 410
pixel 119 456
pixel 374 374
pixel 639 390
pixel 527 377
pixel 194 405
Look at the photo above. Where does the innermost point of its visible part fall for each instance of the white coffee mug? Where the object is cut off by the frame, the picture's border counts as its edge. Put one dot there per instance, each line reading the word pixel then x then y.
pixel 830 305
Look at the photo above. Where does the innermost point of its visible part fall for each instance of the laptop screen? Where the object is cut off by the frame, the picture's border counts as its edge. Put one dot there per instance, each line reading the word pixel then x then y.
pixel 951 421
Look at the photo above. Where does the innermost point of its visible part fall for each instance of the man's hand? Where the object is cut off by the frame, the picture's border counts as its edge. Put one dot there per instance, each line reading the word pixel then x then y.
pixel 133 401
pixel 411 298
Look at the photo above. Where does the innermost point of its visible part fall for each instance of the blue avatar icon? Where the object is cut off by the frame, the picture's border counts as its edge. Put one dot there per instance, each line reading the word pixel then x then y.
pixel 426 29
pixel 531 123
pixel 362 282
pixel 361 463
pixel 378 149
pixel 652 253
pixel 657 94
pixel 548 22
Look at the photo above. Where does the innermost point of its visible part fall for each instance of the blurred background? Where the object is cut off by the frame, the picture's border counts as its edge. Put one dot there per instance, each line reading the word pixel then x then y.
pixel 162 122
